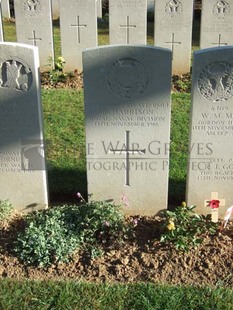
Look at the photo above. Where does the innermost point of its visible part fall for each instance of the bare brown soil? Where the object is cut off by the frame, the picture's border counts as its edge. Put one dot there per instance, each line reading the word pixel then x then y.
pixel 143 258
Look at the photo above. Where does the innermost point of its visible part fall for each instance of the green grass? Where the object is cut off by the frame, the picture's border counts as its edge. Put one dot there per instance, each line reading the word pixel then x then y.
pixel 75 295
pixel 179 147
pixel 9 31
pixel 64 131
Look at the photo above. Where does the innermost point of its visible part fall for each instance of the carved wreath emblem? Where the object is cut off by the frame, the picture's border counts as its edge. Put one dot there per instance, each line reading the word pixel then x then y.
pixel 127 78
pixel 215 82
pixel 15 76
pixel 32 6
pixel 221 9
pixel 173 8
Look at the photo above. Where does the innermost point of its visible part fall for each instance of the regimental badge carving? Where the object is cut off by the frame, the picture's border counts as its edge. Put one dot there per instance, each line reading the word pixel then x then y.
pixel 127 78
pixel 174 8
pixel 221 9
pixel 32 6
pixel 215 82
pixel 15 75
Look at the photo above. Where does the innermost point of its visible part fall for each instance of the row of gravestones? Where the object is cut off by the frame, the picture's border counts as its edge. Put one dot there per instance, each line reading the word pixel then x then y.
pixel 8 8
pixel 128 24
pixel 8 12
pixel 127 116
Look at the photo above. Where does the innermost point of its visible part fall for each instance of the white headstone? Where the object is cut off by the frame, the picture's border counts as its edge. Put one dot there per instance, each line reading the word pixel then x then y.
pixel 22 164
pixel 210 174
pixel 216 23
pixel 173 30
pixel 127 111
pixel 34 27
pixel 150 5
pixel 1 29
pixel 99 8
pixel 56 8
pixel 5 8
pixel 127 21
pixel 78 30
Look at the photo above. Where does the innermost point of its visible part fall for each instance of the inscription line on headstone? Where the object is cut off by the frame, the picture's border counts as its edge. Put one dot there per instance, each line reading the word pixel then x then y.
pixel 78 26
pixel 219 43
pixel 127 26
pixel 173 42
pixel 127 152
pixel 34 39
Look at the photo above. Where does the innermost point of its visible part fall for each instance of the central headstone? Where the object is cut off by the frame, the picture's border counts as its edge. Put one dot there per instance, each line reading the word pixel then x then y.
pixel 78 22
pixel 210 176
pixel 173 30
pixel 127 110
pixel 23 178
pixel 34 27
pixel 216 23
pixel 127 21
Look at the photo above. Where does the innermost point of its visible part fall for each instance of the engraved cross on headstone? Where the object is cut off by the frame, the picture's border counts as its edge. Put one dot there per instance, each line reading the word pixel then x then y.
pixel 127 152
pixel 219 43
pixel 173 42
pixel 127 26
pixel 214 212
pixel 34 39
pixel 78 26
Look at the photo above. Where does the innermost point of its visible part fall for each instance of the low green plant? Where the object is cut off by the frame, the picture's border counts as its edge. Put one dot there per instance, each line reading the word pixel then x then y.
pixel 98 222
pixel 46 239
pixel 54 235
pixel 6 209
pixel 56 73
pixel 185 229
pixel 182 83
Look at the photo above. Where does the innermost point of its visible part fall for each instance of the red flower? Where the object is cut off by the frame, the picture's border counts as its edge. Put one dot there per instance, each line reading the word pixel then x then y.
pixel 214 204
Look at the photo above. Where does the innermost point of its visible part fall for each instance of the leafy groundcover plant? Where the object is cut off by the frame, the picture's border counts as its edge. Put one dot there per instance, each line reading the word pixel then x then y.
pixel 185 229
pixel 54 235
pixel 6 209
